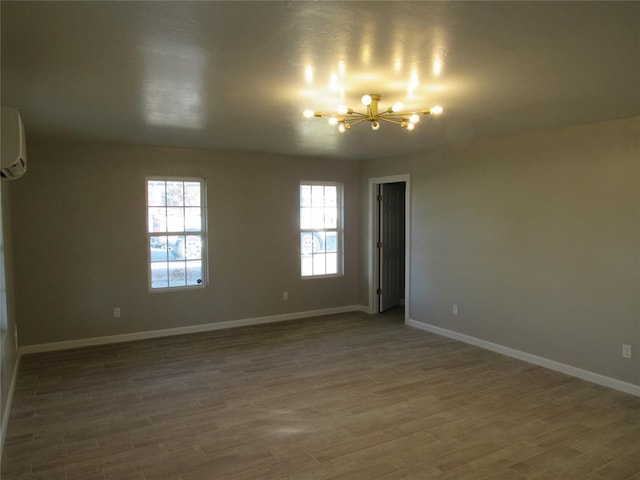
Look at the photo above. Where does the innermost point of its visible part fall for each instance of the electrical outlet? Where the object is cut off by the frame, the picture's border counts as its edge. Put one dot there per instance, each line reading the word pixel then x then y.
pixel 285 295
pixel 626 351
pixel 455 309
pixel 116 312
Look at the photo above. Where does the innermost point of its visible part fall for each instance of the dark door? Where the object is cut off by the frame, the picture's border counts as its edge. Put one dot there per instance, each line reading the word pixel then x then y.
pixel 391 244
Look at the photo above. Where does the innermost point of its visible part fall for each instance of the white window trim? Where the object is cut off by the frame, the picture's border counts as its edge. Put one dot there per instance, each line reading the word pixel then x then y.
pixel 339 229
pixel 204 233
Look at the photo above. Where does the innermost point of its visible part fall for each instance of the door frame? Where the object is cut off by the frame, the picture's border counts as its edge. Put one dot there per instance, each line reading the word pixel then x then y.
pixel 372 234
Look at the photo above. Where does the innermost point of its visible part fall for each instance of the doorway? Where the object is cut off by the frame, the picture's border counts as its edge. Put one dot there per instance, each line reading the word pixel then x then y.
pixel 389 252
pixel 391 225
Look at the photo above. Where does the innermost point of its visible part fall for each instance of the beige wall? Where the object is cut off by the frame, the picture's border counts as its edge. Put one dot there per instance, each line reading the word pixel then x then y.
pixel 80 244
pixel 536 238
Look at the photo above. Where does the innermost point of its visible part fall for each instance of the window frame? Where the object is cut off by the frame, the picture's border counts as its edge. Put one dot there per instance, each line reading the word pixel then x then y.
pixel 339 229
pixel 204 253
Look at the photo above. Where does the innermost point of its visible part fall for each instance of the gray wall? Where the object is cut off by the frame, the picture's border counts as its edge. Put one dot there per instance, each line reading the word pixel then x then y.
pixel 536 238
pixel 80 245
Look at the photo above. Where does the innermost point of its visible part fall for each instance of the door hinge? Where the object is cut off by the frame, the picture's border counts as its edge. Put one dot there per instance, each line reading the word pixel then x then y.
pixel 379 198
pixel 379 291
pixel 379 244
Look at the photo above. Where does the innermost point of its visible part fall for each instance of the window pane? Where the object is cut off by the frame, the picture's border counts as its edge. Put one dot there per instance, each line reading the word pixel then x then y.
pixel 159 277
pixel 193 247
pixel 317 195
pixel 318 241
pixel 331 242
pixel 194 272
pixel 177 274
pixel 319 264
pixel 157 219
pixel 158 251
pixel 192 219
pixel 307 265
pixel 305 217
pixel 155 192
pixel 306 243
pixel 317 217
pixel 331 196
pixel 332 263
pixel 305 195
pixel 192 194
pixel 175 219
pixel 330 217
pixel 175 194
pixel 175 245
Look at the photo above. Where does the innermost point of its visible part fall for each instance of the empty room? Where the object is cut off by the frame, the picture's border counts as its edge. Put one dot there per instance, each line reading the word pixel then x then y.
pixel 320 240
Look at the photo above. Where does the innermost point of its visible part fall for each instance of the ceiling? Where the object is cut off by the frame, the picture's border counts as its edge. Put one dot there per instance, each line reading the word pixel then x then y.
pixel 237 75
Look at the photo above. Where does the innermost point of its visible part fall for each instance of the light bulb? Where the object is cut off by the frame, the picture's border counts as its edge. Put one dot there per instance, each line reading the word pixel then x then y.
pixel 414 118
pixel 397 107
pixel 411 126
pixel 342 109
pixel 375 125
pixel 437 110
pixel 308 113
pixel 333 121
pixel 366 100
pixel 341 128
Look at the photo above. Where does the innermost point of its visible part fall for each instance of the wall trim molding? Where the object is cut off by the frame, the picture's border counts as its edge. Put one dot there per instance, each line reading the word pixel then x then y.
pixel 129 337
pixel 530 358
pixel 7 406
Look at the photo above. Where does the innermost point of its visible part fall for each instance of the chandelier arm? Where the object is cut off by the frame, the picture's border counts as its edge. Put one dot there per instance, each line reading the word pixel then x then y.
pixel 390 120
pixel 399 115
pixel 355 122
pixel 345 115
pixel 358 114
pixel 394 118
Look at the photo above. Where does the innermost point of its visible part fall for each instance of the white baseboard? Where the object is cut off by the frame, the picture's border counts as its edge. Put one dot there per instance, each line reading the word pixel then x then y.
pixel 128 337
pixel 534 359
pixel 7 406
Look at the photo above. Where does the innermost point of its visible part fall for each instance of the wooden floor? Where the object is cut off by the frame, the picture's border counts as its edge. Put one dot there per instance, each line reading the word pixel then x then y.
pixel 349 396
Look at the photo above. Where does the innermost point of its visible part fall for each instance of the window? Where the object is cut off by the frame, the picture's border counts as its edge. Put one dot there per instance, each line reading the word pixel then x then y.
pixel 320 229
pixel 176 226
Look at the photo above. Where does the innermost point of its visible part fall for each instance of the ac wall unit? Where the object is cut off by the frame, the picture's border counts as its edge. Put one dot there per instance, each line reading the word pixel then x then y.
pixel 13 155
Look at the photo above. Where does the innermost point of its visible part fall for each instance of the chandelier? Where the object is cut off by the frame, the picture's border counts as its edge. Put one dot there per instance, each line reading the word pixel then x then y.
pixel 346 117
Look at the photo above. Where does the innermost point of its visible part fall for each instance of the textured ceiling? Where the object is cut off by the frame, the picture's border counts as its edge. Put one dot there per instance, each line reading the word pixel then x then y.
pixel 237 75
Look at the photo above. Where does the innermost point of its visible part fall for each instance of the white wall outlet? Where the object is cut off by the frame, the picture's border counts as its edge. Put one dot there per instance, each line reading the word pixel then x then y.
pixel 626 351
pixel 285 295
pixel 455 309
pixel 116 312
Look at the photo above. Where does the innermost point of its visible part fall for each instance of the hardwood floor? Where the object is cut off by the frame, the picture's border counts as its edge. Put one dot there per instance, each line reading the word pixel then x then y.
pixel 348 396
